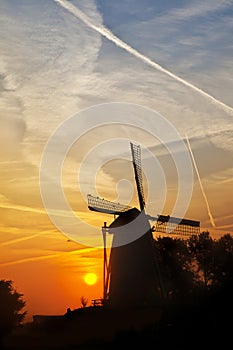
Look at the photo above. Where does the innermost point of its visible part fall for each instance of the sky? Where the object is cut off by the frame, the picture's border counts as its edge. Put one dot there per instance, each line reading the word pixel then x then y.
pixel 166 68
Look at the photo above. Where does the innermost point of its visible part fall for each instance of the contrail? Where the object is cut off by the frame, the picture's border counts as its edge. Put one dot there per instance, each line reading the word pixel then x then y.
pixel 17 240
pixel 22 208
pixel 105 32
pixel 50 256
pixel 201 186
pixel 26 260
pixel 25 238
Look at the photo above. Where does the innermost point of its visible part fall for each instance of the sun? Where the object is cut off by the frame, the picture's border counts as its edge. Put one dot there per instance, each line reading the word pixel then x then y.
pixel 90 278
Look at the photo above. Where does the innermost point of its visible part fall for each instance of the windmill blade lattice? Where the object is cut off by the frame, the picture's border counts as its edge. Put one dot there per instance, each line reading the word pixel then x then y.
pixel 104 206
pixel 171 225
pixel 136 157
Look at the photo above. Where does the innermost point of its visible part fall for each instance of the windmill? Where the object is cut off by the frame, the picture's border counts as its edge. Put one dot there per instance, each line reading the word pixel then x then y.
pixel 131 274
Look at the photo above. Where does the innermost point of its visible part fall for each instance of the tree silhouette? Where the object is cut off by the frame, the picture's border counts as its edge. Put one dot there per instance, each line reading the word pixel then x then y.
pixel 195 268
pixel 176 268
pixel 202 247
pixel 198 277
pixel 11 304
pixel 222 269
pixel 214 259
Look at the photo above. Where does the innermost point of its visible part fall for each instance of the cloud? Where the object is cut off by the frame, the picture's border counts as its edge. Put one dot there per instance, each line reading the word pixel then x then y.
pixel 12 124
pixel 22 208
pixel 122 44
pixel 192 10
pixel 47 59
pixel 11 134
pixel 60 66
pixel 196 49
pixel 76 252
pixel 53 66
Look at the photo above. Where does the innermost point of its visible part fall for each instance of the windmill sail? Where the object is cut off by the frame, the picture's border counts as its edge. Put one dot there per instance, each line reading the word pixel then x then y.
pixel 177 226
pixel 104 206
pixel 136 157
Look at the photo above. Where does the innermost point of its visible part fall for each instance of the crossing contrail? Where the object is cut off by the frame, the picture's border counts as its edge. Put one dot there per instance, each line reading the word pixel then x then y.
pixel 105 32
pixel 201 186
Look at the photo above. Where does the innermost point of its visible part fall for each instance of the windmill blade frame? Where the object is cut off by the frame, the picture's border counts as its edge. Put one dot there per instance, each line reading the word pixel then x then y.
pixel 137 164
pixel 176 226
pixel 105 206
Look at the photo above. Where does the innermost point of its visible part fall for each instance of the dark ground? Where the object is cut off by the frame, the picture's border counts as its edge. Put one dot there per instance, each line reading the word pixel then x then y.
pixel 207 325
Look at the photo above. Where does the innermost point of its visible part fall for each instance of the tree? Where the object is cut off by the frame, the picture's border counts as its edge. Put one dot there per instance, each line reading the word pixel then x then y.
pixel 11 305
pixel 202 247
pixel 175 266
pixel 223 262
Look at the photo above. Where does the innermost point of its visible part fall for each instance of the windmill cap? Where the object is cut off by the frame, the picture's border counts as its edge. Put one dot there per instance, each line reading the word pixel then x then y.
pixel 131 224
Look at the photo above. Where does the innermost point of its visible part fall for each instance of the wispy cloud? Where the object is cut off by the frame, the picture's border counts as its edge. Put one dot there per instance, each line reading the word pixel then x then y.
pixel 49 256
pixel 53 65
pixel 18 240
pixel 22 208
pixel 28 260
pixel 110 36
pixel 194 9
pixel 45 60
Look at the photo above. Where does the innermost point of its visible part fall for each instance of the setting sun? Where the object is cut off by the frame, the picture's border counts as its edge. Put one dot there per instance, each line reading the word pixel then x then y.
pixel 90 278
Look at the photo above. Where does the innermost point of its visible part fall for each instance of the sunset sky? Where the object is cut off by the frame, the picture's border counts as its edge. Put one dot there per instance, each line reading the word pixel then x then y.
pixel 93 59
